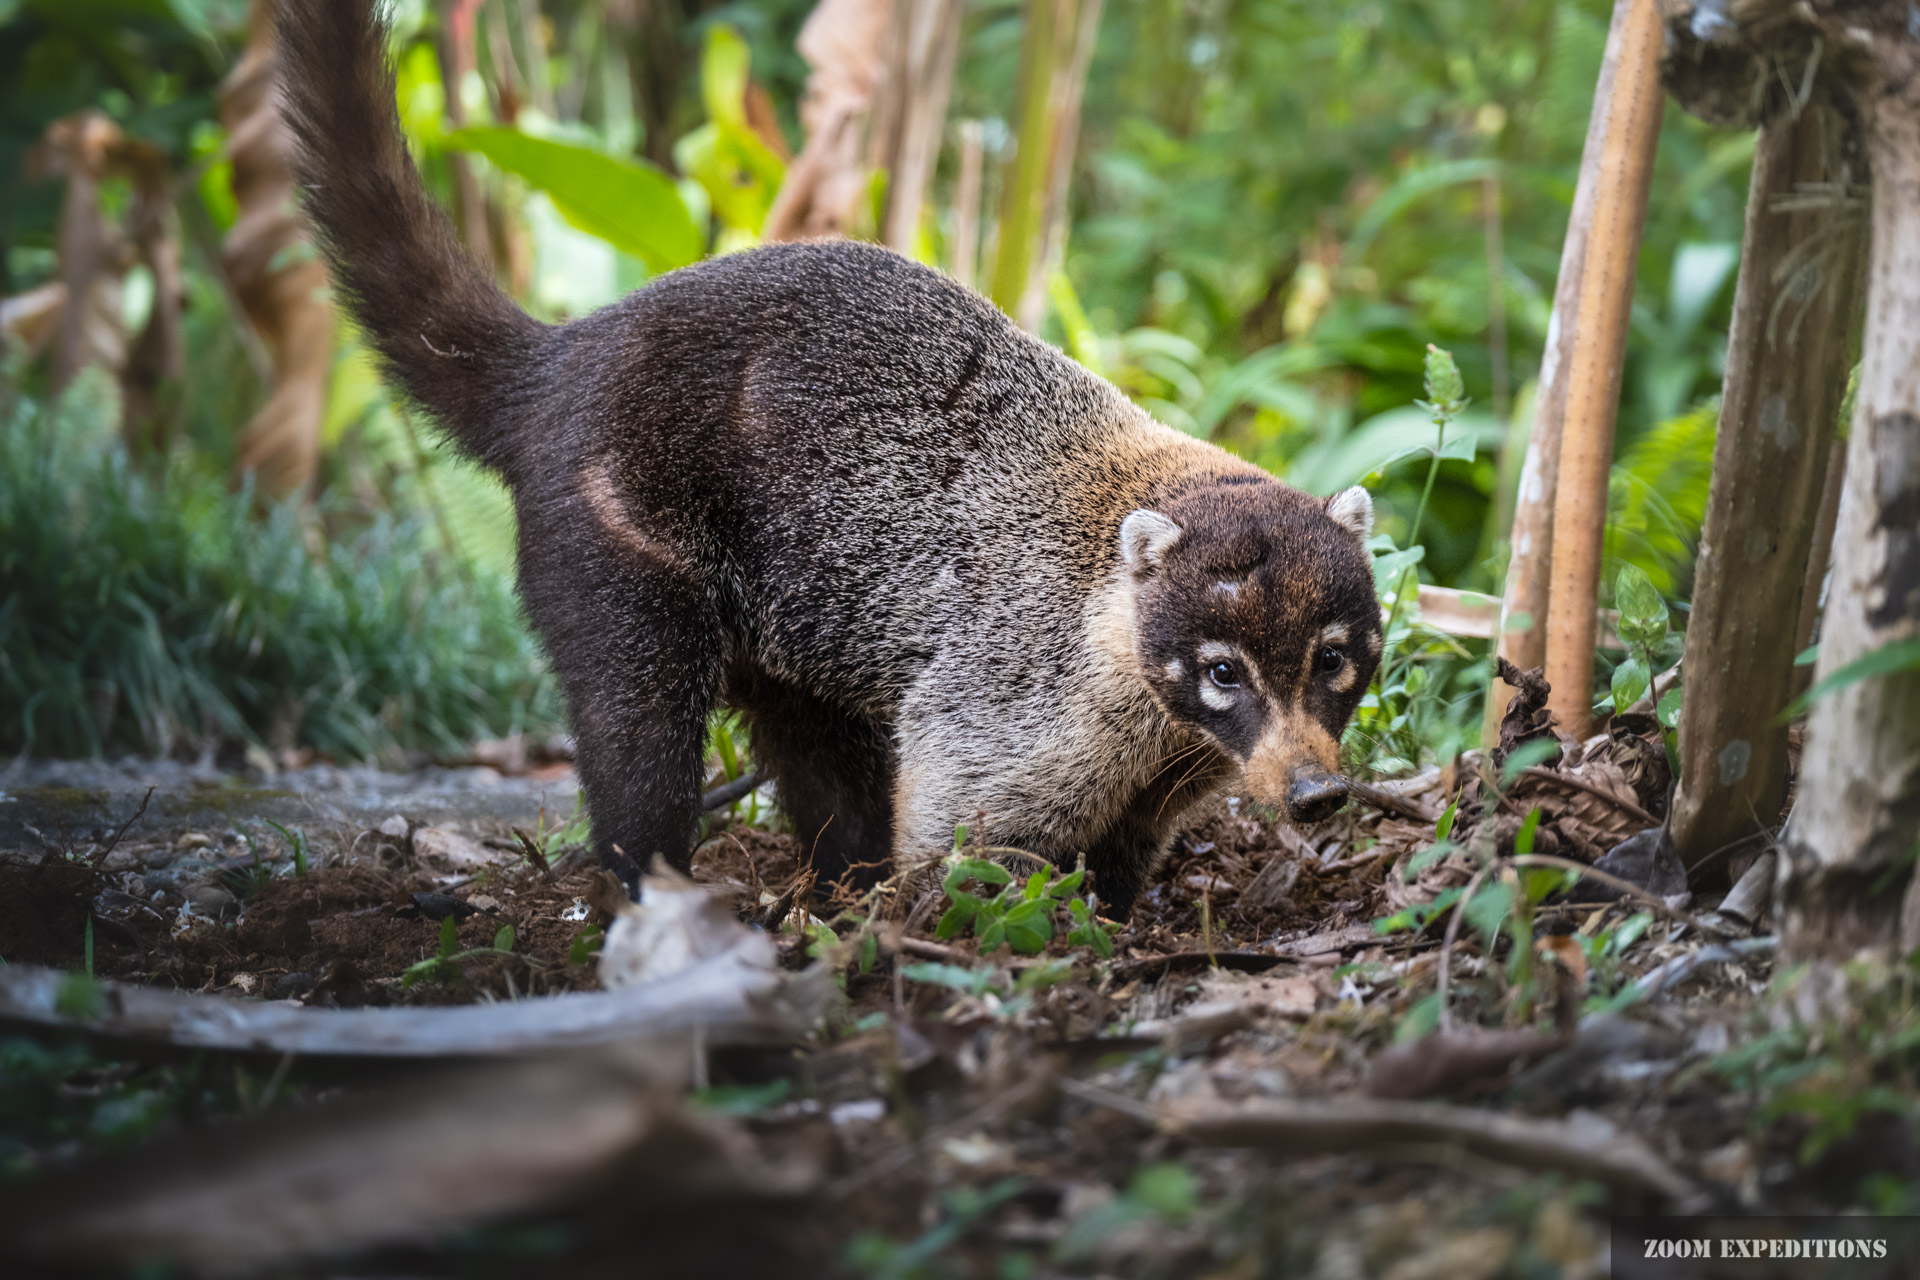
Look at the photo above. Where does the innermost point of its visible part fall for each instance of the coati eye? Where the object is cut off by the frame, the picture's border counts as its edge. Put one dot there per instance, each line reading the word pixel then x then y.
pixel 1332 659
pixel 1223 675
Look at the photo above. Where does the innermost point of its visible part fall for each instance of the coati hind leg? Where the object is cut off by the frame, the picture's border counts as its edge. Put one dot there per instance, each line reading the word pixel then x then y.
pixel 637 647
pixel 833 769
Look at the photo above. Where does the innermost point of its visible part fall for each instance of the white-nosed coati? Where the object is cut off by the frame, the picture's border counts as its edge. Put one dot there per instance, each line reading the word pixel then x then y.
pixel 941 568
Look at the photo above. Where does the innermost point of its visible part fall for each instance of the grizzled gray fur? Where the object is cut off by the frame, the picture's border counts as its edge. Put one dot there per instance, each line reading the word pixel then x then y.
pixel 941 568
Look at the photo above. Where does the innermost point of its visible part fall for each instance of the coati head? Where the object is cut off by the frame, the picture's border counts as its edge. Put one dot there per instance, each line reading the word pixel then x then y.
pixel 1256 623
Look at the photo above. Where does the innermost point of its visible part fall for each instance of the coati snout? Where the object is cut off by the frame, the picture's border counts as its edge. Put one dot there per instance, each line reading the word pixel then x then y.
pixel 1259 629
pixel 943 570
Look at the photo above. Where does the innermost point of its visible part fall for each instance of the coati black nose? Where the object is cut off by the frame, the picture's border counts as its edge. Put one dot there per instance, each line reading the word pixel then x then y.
pixel 1315 795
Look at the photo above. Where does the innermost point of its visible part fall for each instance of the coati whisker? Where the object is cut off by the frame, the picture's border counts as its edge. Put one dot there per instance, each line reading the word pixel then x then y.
pixel 933 561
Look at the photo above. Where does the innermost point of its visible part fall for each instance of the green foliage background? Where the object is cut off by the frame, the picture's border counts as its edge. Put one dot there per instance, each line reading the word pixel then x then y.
pixel 1276 206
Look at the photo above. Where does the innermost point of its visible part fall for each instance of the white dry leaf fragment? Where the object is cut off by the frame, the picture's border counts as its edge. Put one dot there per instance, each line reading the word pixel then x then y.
pixel 577 912
pixel 675 926
pixel 454 852
pixel 1282 995
pixel 860 1111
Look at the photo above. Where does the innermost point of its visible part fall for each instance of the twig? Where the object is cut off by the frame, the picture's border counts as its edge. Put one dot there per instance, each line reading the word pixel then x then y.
pixel 993 1109
pixel 1108 1098
pixel 924 949
pixel 112 844
pixel 1681 967
pixel 728 792
pixel 1545 860
pixel 534 853
pixel 1445 978
pixel 1387 802
pixel 1592 1149
pixel 1625 886
pixel 1627 807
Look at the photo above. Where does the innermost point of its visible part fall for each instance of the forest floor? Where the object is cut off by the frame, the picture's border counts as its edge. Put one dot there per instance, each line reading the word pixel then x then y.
pixel 1263 1077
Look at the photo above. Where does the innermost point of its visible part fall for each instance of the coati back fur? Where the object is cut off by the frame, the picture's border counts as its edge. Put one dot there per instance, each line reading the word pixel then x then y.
pixel 942 569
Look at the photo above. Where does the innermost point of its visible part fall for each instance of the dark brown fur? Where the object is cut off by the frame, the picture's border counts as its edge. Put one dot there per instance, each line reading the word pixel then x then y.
pixel 830 487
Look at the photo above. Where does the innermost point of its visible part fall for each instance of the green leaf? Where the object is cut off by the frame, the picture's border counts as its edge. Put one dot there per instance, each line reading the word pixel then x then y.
pixel 1901 655
pixel 1630 681
pixel 992 936
pixel 628 203
pixel 503 940
pixel 1387 569
pixel 740 1099
pixel 449 938
pixel 1529 828
pixel 1037 885
pixel 1490 908
pixel 1427 857
pixel 1668 712
pixel 956 919
pixel 1029 927
pixel 1527 755
pixel 1807 656
pixel 984 870
pixel 1643 614
pixel 584 946
pixel 960 834
pixel 869 952
pixel 951 976
pixel 1064 887
pixel 1444 828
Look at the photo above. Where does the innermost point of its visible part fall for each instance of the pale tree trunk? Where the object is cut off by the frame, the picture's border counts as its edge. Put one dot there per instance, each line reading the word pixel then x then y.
pixel 1857 823
pixel 1593 382
pixel 844 43
pixel 278 277
pixel 1847 874
pixel 1794 323
pixel 1524 603
pixel 923 44
pixel 1055 52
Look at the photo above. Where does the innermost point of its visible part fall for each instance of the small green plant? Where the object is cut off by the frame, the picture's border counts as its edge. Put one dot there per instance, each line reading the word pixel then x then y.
pixel 1007 997
pixel 444 965
pixel 1643 629
pixel 1158 1193
pixel 1817 1067
pixel 1021 915
pixel 883 1258
pixel 1411 701
pixel 296 839
pixel 586 945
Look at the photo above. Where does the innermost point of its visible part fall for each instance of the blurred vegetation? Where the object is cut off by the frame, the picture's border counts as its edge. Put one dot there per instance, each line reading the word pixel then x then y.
pixel 1276 206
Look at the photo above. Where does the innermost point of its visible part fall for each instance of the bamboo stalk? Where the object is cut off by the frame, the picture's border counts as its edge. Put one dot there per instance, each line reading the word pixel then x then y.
pixel 1593 382
pixel 1523 606
pixel 966 204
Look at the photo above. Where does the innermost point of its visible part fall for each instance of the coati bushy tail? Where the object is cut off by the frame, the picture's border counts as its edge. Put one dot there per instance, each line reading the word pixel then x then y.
pixel 457 345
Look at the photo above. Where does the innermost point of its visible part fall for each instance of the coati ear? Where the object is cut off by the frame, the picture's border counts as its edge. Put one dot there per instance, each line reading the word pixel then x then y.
pixel 1145 537
pixel 1353 509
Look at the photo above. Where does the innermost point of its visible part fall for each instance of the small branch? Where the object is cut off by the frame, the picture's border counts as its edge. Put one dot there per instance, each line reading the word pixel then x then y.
pixel 1592 1149
pixel 102 856
pixel 1627 887
pixel 728 792
pixel 1627 807
pixel 1387 802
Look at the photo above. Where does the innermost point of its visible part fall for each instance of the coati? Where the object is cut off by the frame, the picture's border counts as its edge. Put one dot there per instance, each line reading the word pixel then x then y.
pixel 942 569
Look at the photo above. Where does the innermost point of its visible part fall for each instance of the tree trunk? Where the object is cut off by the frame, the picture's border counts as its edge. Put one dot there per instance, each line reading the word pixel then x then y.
pixel 1593 383
pixel 1795 317
pixel 281 282
pixel 923 43
pixel 1847 878
pixel 1524 603
pixel 1850 847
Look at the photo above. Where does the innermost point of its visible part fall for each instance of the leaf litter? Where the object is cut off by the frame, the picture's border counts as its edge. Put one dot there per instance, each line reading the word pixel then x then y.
pixel 1256 1080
